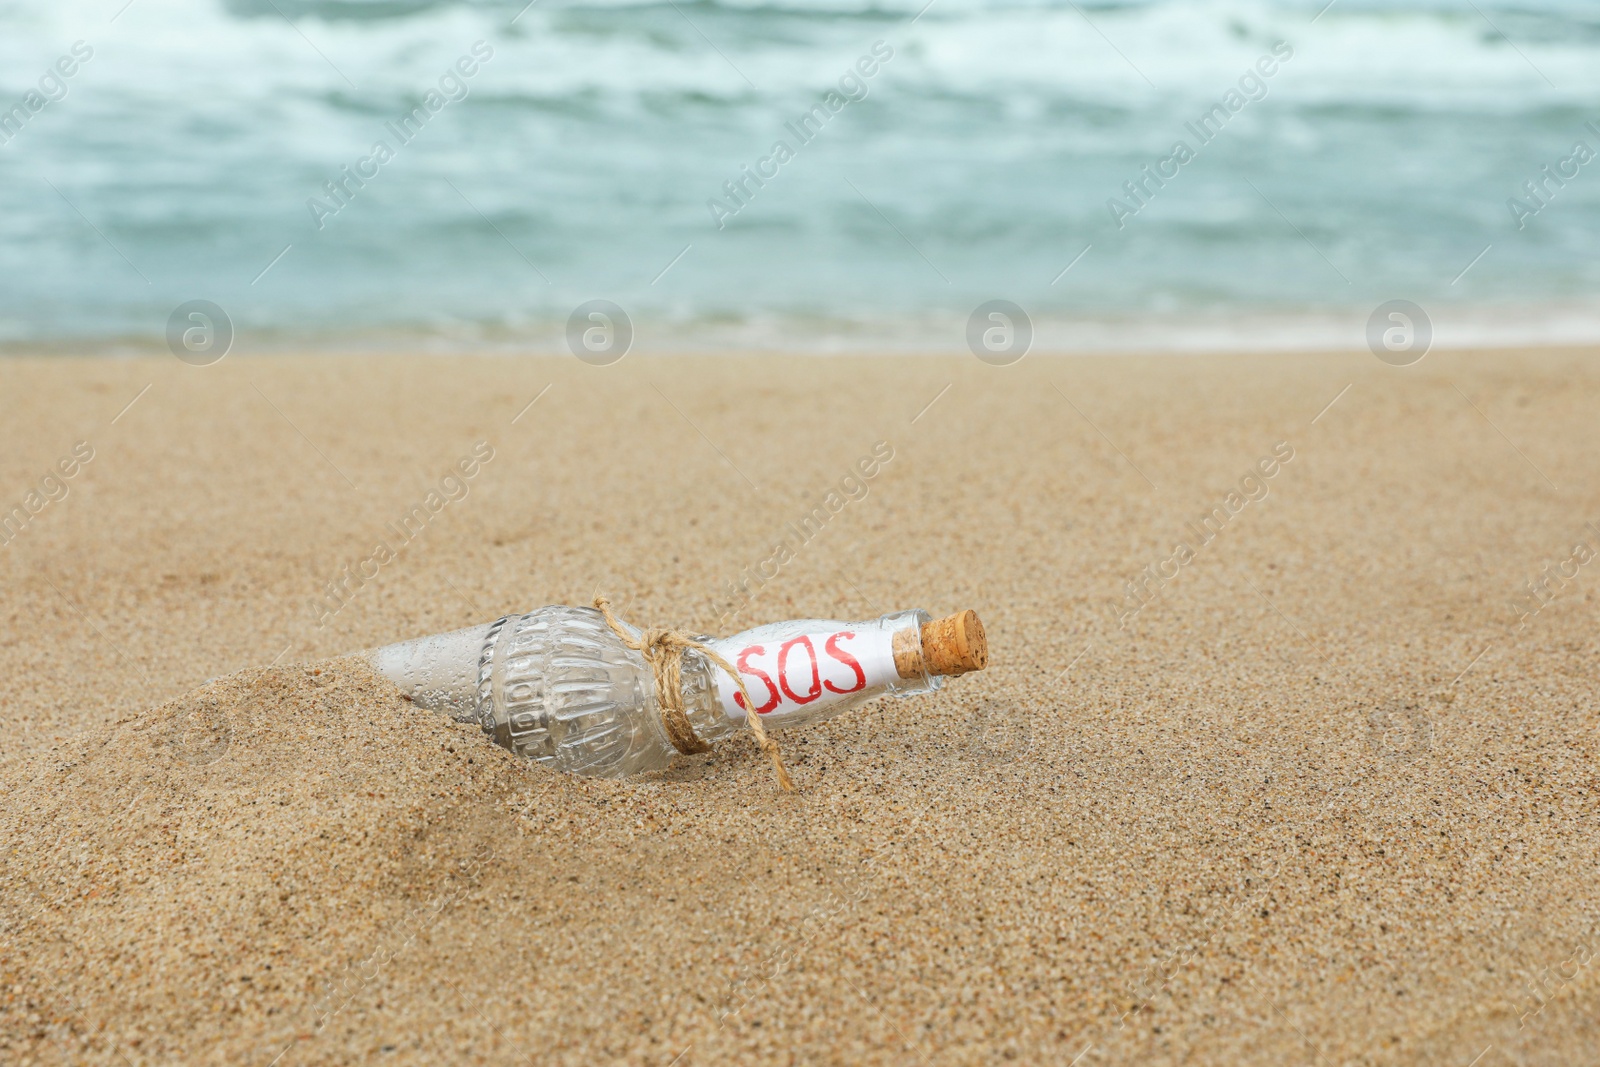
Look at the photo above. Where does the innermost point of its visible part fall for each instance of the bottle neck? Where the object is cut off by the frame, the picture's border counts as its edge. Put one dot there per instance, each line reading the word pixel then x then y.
pixel 711 724
pixel 805 671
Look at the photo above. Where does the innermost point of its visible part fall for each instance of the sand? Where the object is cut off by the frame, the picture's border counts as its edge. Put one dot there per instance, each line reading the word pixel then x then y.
pixel 1326 798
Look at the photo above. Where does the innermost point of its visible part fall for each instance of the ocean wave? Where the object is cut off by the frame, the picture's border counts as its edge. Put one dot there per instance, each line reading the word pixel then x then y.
pixel 993 148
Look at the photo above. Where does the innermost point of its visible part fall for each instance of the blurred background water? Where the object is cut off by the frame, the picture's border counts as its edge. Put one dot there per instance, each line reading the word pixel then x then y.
pixel 181 159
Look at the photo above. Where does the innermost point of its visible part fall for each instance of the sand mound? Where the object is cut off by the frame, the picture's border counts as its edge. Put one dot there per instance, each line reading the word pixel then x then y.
pixel 295 865
pixel 200 866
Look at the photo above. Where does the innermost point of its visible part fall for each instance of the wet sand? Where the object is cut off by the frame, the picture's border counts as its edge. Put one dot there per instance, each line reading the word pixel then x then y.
pixel 1310 782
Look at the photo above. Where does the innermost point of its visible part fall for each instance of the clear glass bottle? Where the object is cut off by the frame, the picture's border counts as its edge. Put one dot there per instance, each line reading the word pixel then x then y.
pixel 559 686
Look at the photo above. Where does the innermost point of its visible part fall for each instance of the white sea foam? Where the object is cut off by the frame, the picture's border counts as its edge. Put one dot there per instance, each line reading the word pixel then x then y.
pixel 1378 165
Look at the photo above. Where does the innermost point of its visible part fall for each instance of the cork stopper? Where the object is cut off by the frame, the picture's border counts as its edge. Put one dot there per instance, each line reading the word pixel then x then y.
pixel 949 646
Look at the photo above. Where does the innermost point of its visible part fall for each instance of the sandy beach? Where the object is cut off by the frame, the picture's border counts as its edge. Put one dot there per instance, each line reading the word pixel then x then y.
pixel 1317 787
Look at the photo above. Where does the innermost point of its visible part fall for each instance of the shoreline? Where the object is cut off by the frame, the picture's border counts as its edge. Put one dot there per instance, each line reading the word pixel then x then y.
pixel 1456 328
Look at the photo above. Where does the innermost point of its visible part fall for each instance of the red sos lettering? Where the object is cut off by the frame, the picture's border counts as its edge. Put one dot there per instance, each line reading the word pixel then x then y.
pixel 839 654
pixel 756 672
pixel 780 688
pixel 783 675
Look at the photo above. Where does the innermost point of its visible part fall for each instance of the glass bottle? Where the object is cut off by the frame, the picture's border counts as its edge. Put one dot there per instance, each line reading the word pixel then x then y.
pixel 559 686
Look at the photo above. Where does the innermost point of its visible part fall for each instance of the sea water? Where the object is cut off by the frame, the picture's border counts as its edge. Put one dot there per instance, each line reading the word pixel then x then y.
pixel 935 155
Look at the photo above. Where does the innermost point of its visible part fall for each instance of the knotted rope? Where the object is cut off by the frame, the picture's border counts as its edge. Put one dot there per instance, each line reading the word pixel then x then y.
pixel 663 650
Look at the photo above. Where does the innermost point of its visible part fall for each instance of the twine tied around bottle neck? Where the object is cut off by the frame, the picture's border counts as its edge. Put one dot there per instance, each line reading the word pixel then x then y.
pixel 663 650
